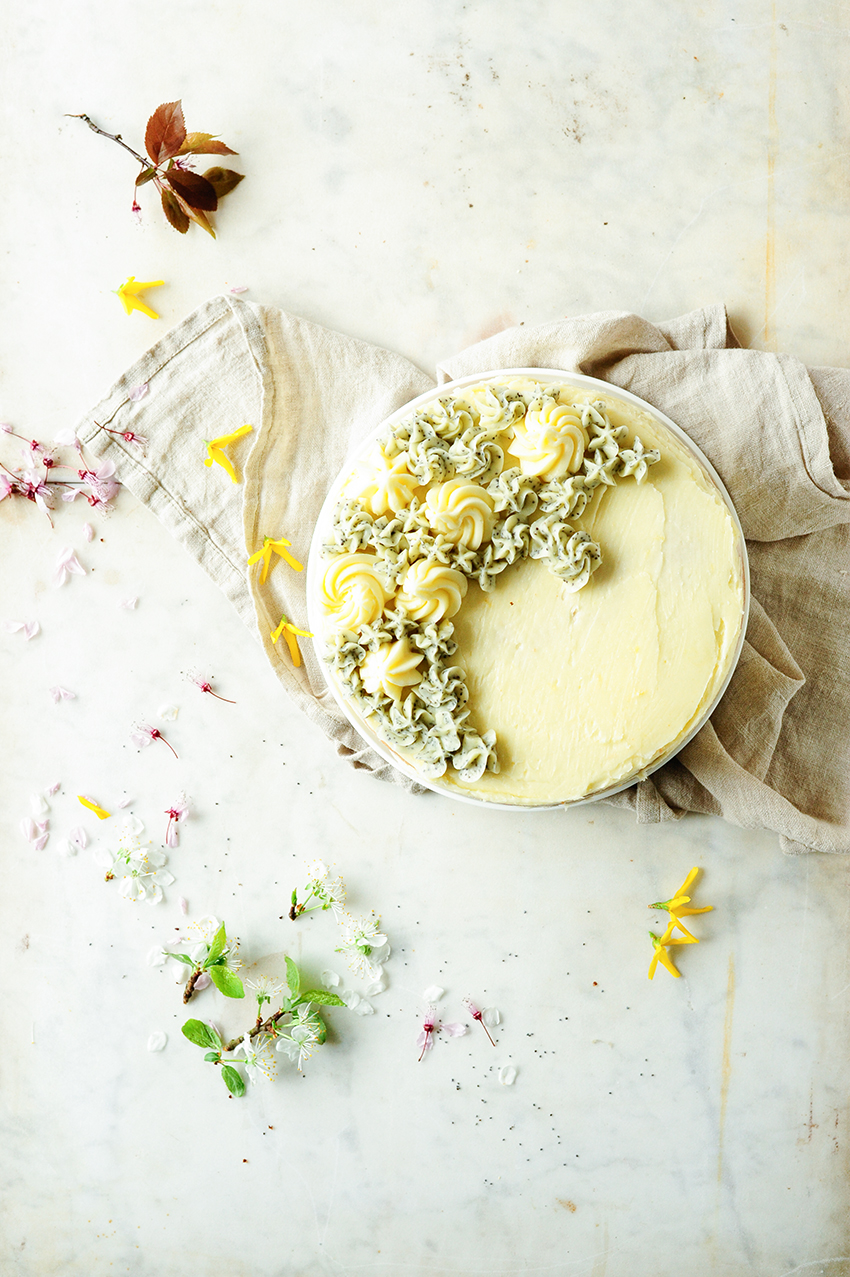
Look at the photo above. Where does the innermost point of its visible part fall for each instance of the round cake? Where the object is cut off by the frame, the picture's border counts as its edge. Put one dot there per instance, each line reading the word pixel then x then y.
pixel 529 588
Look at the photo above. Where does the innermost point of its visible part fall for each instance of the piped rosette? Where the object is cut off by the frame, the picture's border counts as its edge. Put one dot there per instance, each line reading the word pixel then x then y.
pixel 354 591
pixel 551 442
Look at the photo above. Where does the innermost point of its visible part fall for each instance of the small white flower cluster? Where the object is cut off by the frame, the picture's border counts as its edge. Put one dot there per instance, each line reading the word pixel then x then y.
pixel 139 865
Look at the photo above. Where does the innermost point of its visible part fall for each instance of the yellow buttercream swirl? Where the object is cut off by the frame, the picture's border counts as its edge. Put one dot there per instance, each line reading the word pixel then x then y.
pixel 551 442
pixel 391 668
pixel 460 511
pixel 353 591
pixel 382 483
pixel 432 592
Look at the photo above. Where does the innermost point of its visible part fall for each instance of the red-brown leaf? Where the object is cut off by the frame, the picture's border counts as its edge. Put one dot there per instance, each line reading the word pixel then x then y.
pixel 202 220
pixel 166 132
pixel 193 189
pixel 174 211
pixel 223 180
pixel 204 144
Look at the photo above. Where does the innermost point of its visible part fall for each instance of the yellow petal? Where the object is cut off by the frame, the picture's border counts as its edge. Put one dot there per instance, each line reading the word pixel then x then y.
pixel 129 295
pixel 223 440
pixel 275 634
pixel 98 811
pixel 303 633
pixel 293 646
pixel 688 881
pixel 134 286
pixel 222 459
pixel 666 961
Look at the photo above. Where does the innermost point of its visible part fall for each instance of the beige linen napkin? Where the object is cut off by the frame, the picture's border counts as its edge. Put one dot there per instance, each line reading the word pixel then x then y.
pixel 776 753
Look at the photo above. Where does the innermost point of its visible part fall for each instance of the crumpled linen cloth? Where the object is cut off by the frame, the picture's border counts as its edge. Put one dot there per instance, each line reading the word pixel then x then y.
pixel 776 752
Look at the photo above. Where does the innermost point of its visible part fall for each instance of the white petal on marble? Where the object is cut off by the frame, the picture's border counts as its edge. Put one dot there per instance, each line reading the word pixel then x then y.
pixel 168 712
pixel 507 1075
pixel 157 1040
pixel 433 993
pixel 330 979
pixel 65 847
pixel 129 604
pixel 38 805
pixel 364 1008
pixel 377 986
pixel 157 956
pixel 491 1017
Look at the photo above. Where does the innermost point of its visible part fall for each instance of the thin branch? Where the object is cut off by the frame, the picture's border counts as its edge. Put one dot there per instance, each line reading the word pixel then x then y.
pixel 113 137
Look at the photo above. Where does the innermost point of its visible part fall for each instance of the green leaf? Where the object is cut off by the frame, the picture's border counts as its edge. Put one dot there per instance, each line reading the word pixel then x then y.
pixel 217 946
pixel 199 1033
pixel 293 978
pixel 183 957
pixel 174 211
pixel 204 144
pixel 212 1056
pixel 232 1080
pixel 223 180
pixel 226 982
pixel 294 900
pixel 322 998
pixel 145 176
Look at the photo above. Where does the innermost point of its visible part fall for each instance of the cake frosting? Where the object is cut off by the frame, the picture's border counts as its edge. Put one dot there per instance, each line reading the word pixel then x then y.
pixel 531 591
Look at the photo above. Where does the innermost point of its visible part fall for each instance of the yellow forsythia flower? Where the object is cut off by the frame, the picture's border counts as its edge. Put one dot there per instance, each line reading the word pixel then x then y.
pixel 215 450
pixel 274 547
pixel 130 299
pixel 288 630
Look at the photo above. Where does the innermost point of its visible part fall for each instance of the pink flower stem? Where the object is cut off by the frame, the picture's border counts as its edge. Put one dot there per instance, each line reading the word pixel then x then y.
pixel 219 698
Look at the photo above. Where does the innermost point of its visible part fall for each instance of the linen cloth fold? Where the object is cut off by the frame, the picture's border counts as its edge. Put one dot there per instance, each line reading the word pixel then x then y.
pixel 776 752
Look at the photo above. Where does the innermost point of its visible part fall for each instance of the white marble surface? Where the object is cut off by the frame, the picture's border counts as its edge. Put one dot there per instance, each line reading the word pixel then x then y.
pixel 416 179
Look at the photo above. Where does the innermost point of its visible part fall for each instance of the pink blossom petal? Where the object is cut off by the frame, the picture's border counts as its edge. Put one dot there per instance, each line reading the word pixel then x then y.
pixel 27 828
pixel 67 564
pixel 240 288
pixel 88 531
pixel 455 1030
pixel 6 428
pixel 61 694
pixel 30 628
pixel 79 837
pixel 67 437
pixel 184 904
pixel 203 980
pixel 171 838
pixel 51 789
pixel 41 843
pixel 129 604
pixel 125 802
pixel 138 392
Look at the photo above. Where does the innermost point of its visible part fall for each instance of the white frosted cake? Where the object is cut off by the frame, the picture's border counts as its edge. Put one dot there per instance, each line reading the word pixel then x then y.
pixel 530 589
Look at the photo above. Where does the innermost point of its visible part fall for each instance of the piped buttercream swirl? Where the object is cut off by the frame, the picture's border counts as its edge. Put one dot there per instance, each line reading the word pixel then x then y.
pixel 460 511
pixel 382 483
pixel 551 442
pixel 353 590
pixel 430 591
pixel 391 668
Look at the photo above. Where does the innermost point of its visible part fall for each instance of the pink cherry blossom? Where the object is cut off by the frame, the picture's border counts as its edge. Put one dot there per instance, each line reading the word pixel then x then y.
pixel 143 734
pixel 6 487
pixel 206 686
pixel 175 814
pixel 426 1035
pixel 479 1015
pixel 88 531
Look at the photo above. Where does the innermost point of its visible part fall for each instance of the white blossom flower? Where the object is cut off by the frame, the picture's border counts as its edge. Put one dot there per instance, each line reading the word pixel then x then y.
pixel 266 988
pixel 202 932
pixel 260 1063
pixel 364 945
pixel 305 1034
pixel 145 876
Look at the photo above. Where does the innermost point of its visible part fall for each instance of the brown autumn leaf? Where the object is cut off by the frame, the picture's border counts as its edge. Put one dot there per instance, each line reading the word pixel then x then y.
pixel 204 144
pixel 174 211
pixel 223 180
pixel 193 189
pixel 166 132
pixel 145 175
